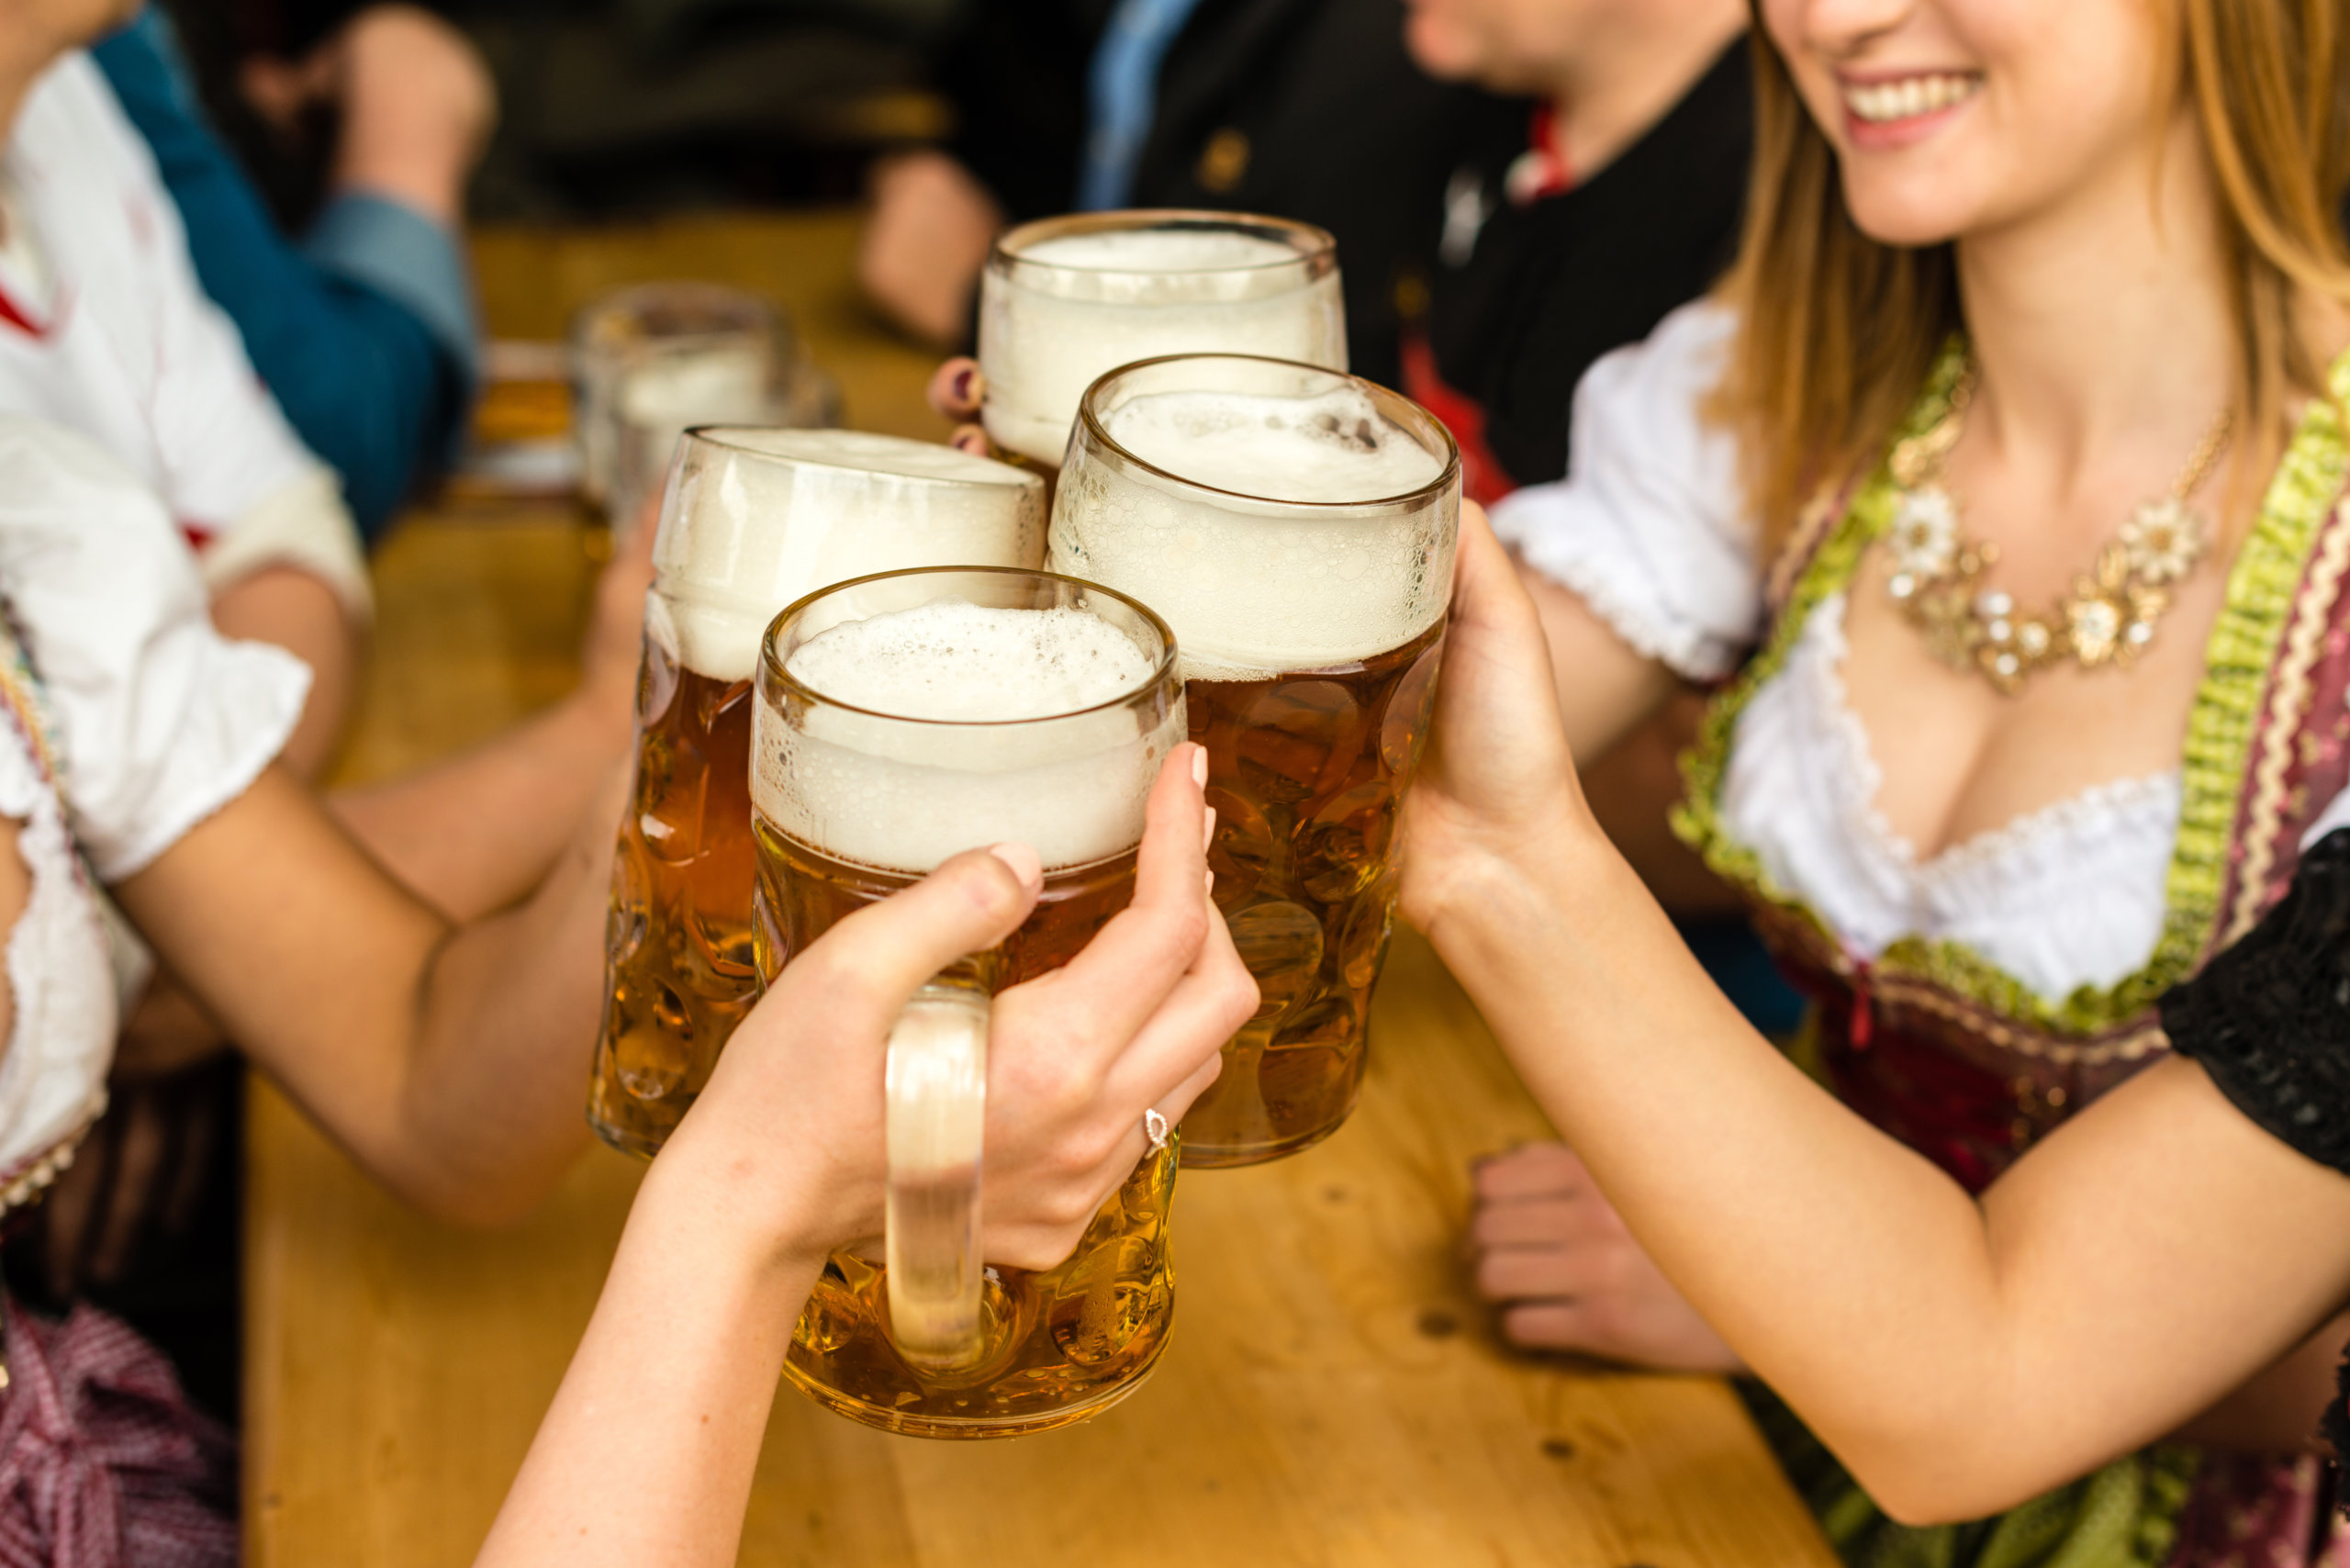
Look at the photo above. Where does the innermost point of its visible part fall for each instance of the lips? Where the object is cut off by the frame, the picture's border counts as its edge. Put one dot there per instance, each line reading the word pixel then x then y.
pixel 1892 101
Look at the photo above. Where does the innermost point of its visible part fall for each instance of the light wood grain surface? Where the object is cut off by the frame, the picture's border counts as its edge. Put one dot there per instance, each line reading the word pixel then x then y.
pixel 1331 1396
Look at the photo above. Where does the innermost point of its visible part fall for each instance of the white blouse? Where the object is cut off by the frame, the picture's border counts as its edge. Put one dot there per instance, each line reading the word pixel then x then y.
pixel 1648 529
pixel 106 330
pixel 155 722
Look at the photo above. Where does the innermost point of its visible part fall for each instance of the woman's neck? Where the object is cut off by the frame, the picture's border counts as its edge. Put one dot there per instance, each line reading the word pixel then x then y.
pixel 2104 322
pixel 1631 64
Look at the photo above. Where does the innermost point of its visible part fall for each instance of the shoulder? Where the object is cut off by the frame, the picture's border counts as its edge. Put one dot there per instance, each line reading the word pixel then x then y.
pixel 72 116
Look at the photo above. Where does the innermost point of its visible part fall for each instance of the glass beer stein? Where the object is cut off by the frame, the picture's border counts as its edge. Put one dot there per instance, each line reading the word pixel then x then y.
pixel 751 520
pixel 901 720
pixel 1066 298
pixel 652 360
pixel 1295 527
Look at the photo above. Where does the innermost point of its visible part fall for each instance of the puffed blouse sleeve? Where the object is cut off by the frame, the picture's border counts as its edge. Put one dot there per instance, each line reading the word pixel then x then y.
pixel 1649 527
pixel 2269 1019
pixel 159 720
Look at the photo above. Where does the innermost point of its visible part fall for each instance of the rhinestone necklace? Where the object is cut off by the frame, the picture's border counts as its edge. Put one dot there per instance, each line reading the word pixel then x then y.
pixel 2108 618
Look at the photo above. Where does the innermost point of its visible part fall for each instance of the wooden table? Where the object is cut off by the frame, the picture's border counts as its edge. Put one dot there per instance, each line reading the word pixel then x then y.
pixel 1331 1396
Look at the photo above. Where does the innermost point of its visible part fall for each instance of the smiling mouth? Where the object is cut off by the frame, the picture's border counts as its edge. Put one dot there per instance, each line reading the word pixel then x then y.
pixel 1909 97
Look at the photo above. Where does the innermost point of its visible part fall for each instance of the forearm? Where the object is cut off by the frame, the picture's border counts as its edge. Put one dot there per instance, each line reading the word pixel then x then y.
pixel 493 1086
pixel 1675 1104
pixel 647 1453
pixel 1958 1357
pixel 450 1064
pixel 474 834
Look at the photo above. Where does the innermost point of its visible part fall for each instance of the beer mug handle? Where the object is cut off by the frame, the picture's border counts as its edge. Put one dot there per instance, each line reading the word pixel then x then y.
pixel 938 1078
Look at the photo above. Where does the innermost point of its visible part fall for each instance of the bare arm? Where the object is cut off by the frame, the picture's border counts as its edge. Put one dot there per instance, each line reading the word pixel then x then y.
pixel 1606 687
pixel 2140 1264
pixel 475 832
pixel 450 1063
pixel 297 612
pixel 780 1159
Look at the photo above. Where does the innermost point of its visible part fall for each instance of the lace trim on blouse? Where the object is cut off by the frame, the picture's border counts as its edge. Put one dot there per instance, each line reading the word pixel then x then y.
pixel 2269 1018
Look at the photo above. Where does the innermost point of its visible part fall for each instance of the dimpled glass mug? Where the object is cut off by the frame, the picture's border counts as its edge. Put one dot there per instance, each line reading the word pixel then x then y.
pixel 901 720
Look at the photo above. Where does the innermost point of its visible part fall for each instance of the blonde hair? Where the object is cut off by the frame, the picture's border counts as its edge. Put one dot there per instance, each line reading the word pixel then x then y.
pixel 1837 331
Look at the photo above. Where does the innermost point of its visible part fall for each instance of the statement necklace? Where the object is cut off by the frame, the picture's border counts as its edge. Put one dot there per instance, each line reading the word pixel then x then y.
pixel 2109 617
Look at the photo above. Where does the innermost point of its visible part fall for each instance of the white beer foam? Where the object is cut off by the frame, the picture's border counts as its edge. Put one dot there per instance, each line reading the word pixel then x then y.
pixel 747 534
pixel 1333 447
pixel 885 792
pixel 1160 251
pixel 1254 583
pixel 723 382
pixel 1107 299
pixel 957 661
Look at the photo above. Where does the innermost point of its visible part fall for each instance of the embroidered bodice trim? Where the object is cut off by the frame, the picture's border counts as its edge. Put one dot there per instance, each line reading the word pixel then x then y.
pixel 2268 611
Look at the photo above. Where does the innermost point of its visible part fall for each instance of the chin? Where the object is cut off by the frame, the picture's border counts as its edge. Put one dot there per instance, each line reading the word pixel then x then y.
pixel 1910 213
pixel 1438 48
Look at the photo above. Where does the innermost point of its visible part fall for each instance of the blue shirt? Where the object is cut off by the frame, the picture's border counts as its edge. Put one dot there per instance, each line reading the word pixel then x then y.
pixel 364 331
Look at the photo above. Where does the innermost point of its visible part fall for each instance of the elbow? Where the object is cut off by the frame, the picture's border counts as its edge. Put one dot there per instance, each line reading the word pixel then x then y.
pixel 472 1202
pixel 1950 1481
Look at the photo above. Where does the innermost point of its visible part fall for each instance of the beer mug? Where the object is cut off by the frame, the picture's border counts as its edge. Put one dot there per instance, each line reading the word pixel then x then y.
pixel 652 360
pixel 1066 298
pixel 901 720
pixel 751 520
pixel 1295 527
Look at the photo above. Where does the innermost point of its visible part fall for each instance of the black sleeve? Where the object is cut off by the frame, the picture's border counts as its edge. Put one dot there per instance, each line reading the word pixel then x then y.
pixel 2269 1019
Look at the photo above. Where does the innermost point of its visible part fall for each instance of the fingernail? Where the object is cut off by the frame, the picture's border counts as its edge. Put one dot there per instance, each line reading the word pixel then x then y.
pixel 1200 767
pixel 1207 828
pixel 1025 863
pixel 1210 884
pixel 963 383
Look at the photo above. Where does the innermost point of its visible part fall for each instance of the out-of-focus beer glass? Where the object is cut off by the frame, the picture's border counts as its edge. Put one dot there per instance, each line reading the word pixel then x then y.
pixel 652 360
pixel 1295 527
pixel 901 720
pixel 753 520
pixel 1066 298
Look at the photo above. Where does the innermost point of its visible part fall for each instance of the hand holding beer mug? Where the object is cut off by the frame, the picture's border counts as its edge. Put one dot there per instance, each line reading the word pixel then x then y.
pixel 753 520
pixel 1296 528
pixel 901 720
pixel 1066 298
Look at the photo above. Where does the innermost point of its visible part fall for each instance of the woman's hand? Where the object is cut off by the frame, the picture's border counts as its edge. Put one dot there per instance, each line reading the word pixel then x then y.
pixel 1499 776
pixel 1550 1251
pixel 957 390
pixel 788 1135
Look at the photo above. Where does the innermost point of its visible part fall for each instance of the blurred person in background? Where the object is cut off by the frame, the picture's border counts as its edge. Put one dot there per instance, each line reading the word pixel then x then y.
pixel 106 330
pixel 421 977
pixel 364 327
pixel 1304 109
pixel 1598 184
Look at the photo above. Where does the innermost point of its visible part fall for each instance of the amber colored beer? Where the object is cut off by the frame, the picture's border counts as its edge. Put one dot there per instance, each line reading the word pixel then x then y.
pixel 753 518
pixel 1306 771
pixel 678 941
pixel 1060 1343
pixel 1296 528
pixel 1008 724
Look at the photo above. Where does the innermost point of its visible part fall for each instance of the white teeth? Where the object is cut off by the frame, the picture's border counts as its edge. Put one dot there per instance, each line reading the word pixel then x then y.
pixel 1881 102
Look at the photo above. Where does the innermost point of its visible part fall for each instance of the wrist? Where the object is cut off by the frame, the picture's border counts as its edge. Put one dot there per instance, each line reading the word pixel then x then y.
pixel 753 1209
pixel 1495 889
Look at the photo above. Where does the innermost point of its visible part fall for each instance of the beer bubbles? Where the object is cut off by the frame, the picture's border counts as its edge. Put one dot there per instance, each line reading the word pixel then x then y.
pixel 901 720
pixel 753 520
pixel 1296 527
